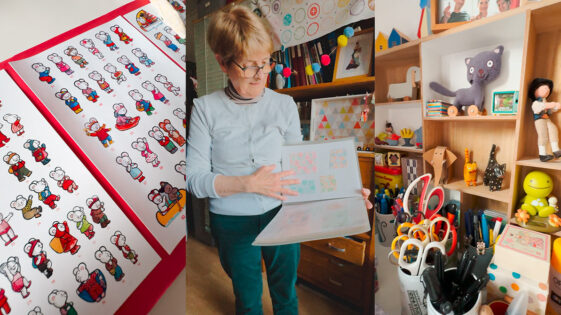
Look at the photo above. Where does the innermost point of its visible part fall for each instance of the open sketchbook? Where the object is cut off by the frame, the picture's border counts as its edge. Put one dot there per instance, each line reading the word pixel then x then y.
pixel 329 203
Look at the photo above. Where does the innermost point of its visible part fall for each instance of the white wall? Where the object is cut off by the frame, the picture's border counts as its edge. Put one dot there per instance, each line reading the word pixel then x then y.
pixel 404 15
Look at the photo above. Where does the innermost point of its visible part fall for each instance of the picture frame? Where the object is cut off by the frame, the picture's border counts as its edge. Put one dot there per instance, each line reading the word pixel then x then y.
pixel 505 102
pixel 355 59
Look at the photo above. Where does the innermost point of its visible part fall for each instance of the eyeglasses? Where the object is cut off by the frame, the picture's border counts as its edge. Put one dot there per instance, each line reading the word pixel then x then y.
pixel 252 71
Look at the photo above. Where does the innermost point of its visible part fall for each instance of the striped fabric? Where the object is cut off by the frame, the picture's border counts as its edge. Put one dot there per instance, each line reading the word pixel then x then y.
pixel 237 98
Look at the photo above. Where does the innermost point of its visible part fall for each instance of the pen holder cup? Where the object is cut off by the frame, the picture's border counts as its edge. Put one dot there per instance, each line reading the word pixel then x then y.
pixel 473 306
pixel 412 293
pixel 385 228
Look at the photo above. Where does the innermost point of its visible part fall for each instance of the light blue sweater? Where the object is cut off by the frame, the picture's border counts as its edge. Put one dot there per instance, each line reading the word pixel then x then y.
pixel 236 140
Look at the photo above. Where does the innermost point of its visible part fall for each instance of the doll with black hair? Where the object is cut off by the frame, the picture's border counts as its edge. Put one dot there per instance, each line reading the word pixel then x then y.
pixel 538 92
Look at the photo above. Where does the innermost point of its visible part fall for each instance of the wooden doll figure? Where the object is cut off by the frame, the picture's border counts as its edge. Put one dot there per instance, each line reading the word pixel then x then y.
pixel 542 109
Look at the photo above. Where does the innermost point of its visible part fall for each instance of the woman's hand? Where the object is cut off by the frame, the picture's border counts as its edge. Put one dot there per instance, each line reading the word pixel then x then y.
pixel 365 195
pixel 270 184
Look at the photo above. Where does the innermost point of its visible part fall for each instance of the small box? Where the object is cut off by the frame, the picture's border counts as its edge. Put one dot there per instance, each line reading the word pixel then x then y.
pixel 411 168
pixel 387 177
pixel 394 159
pixel 380 159
pixel 436 108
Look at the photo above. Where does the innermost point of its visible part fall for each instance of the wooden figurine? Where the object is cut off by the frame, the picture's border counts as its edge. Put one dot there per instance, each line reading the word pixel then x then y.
pixel 381 42
pixel 495 172
pixel 407 89
pixel 440 158
pixel 470 171
pixel 397 38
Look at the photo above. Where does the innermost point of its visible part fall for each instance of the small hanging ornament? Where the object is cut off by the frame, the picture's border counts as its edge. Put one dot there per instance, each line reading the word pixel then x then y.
pixel 316 67
pixel 309 70
pixel 286 72
pixel 325 59
pixel 342 40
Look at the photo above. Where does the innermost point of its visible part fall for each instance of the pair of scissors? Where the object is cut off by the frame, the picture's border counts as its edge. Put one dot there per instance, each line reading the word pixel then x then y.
pixel 425 232
pixel 424 198
pixel 418 264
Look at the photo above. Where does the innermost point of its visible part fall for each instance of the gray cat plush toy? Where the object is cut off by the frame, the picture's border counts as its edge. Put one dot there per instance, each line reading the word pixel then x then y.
pixel 481 69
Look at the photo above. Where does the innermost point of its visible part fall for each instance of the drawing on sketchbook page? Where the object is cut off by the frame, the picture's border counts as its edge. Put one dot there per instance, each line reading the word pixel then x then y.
pixel 328 183
pixel 305 187
pixel 335 219
pixel 303 163
pixel 338 158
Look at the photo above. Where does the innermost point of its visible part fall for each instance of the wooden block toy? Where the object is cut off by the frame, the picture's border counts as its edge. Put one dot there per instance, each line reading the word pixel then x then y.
pixel 381 42
pixel 406 90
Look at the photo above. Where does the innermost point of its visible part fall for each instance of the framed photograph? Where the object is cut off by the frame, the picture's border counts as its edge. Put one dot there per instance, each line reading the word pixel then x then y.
pixel 505 102
pixel 355 59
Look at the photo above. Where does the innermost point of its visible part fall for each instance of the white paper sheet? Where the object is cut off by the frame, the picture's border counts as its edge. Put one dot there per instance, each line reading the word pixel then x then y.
pixel 35 127
pixel 169 169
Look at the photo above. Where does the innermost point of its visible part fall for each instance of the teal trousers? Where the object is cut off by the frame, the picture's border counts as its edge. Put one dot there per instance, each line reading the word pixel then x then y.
pixel 242 263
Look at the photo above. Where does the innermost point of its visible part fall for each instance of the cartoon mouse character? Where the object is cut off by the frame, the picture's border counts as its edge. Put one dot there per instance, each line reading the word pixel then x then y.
pixel 105 257
pixel 59 299
pixel 97 77
pixel 179 113
pixel 164 141
pixel 97 211
pixel 63 180
pixel 115 75
pixel 141 144
pixel 171 194
pixel 75 56
pixel 38 150
pixel 122 36
pixel 88 92
pixel 90 46
pixel 11 269
pixel 69 100
pixel 42 189
pixel 43 72
pixel 4 305
pixel 26 207
pixel 35 311
pixel 142 57
pixel 78 216
pixel 39 260
pixel 132 168
pixel 170 31
pixel 62 241
pixel 119 240
pixel 3 138
pixel 129 65
pixel 61 65
pixel 181 169
pixel 158 96
pixel 168 85
pixel 172 132
pixel 142 105
pixel 93 129
pixel 17 166
pixel 7 234
pixel 15 121
pixel 158 200
pixel 123 122
pixel 167 41
pixel 92 285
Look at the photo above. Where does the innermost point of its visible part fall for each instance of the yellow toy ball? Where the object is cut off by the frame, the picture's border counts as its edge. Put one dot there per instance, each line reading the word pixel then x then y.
pixel 342 40
pixel 309 70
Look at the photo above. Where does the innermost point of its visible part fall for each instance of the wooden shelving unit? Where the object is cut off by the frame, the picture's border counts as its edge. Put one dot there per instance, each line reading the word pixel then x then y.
pixel 479 190
pixel 398 103
pixel 476 118
pixel 398 148
pixel 337 88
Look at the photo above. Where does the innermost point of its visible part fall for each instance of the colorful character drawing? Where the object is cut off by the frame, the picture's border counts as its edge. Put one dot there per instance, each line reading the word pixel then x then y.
pixel 42 189
pixel 3 138
pixel 97 211
pixel 106 39
pixel 111 264
pixel 147 21
pixel 61 65
pixel 124 60
pixel 90 46
pixel 69 100
pixel 170 201
pixel 63 180
pixel 75 56
pixel 170 31
pixel 132 168
pixel 78 216
pixel 164 141
pixel 35 311
pixel 7 234
pixel 38 150
pixel 355 57
pixel 142 105
pixel 158 96
pixel 181 169
pixel 119 76
pixel 92 285
pixel 169 44
pixel 17 166
pixel 142 57
pixel 15 121
pixel 123 122
pixel 119 240
pixel 179 113
pixel 87 91
pixel 4 303
pixel 43 72
pixel 39 260
pixel 172 132
pixel 122 36
pixel 141 144
pixel 11 269
pixel 62 241
pixel 177 6
pixel 59 299
pixel 26 207
pixel 93 129
pixel 97 77
pixel 168 85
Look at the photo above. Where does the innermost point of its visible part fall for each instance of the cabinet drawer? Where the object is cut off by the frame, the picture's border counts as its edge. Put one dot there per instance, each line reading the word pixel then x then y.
pixel 344 248
pixel 330 263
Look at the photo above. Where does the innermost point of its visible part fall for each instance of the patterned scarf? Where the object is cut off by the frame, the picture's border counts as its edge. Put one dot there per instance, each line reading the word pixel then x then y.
pixel 237 98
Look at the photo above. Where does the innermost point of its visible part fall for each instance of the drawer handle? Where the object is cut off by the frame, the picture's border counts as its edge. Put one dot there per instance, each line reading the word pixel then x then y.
pixel 337 283
pixel 341 250
pixel 336 263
